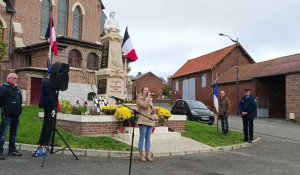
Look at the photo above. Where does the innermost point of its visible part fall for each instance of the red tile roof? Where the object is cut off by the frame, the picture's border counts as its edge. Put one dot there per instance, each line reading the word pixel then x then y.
pixel 246 72
pixel 204 62
pixel 278 66
pixel 281 66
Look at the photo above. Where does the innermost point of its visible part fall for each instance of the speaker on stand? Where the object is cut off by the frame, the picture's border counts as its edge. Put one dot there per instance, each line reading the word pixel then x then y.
pixel 59 81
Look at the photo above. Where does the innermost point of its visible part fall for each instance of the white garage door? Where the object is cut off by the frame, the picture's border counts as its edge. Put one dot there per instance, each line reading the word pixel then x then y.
pixel 188 89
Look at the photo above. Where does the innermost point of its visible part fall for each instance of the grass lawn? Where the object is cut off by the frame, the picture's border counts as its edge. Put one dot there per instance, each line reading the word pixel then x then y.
pixel 30 128
pixel 208 135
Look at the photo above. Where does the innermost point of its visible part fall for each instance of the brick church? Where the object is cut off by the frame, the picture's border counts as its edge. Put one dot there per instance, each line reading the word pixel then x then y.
pixel 78 25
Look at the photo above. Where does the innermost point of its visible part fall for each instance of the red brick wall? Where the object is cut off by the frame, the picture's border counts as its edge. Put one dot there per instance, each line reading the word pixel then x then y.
pixel 230 61
pixel 176 94
pixel 107 128
pixel 29 15
pixel 292 95
pixel 205 94
pixel 77 128
pixel 152 82
pixel 231 88
pixel 176 126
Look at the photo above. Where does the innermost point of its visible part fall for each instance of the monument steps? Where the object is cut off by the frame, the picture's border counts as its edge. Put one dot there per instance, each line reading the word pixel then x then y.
pixel 159 133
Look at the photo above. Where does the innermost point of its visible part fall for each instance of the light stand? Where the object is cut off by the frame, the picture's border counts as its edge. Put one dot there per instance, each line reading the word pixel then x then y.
pixel 51 140
pixel 134 119
pixel 237 71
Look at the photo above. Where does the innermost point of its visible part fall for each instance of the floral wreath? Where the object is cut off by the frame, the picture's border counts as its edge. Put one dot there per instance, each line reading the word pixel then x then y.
pixel 99 102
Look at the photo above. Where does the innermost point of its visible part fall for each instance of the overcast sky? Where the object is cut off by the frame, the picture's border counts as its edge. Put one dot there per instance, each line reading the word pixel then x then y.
pixel 167 33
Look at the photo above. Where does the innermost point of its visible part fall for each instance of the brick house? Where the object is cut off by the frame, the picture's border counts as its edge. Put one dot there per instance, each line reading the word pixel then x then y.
pixel 150 80
pixel 275 84
pixel 78 25
pixel 195 78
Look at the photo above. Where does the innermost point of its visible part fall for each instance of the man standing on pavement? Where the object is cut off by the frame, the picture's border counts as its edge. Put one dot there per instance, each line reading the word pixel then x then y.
pixel 224 109
pixel 247 108
pixel 11 100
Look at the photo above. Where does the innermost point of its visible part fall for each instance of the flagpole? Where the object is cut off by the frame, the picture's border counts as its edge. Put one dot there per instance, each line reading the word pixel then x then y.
pixel 50 47
pixel 126 77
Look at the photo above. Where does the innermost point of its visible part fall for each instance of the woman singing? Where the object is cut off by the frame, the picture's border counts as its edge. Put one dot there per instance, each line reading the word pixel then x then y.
pixel 146 123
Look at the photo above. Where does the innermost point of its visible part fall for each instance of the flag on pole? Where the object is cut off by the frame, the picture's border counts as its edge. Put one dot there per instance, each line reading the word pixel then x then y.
pixel 216 97
pixel 50 34
pixel 127 48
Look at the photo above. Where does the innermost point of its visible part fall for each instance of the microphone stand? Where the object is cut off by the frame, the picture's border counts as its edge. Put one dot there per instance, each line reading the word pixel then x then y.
pixel 134 119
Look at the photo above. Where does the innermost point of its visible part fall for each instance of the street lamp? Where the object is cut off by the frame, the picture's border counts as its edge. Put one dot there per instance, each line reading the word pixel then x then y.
pixel 237 70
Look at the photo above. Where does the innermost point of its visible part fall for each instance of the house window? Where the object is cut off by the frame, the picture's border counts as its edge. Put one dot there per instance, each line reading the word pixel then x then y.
pixel 203 80
pixel 74 59
pixel 28 60
pixel 92 61
pixel 176 85
pixel 45 16
pixel 62 17
pixel 1 31
pixel 77 20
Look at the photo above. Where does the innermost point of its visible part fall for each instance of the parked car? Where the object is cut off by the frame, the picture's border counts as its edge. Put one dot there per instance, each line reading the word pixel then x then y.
pixel 194 110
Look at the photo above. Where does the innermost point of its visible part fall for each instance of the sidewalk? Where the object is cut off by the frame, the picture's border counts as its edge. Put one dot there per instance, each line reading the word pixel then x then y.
pixel 173 146
pixel 160 148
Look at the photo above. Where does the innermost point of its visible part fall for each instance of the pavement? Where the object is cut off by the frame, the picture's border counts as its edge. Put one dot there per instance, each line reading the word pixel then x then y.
pixel 159 147
pixel 274 155
pixel 279 128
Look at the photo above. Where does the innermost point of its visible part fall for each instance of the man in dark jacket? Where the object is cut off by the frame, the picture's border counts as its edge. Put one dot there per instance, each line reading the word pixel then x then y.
pixel 11 101
pixel 247 108
pixel 48 101
pixel 224 109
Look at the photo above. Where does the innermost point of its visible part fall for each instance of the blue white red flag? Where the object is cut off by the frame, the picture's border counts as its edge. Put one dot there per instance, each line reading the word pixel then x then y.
pixel 50 34
pixel 216 97
pixel 127 48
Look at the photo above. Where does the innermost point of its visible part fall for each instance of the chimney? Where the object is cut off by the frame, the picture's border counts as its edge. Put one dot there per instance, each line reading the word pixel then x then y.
pixel 139 73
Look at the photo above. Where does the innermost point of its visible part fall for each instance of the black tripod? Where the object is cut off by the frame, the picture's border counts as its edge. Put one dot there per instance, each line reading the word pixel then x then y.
pixel 51 140
pixel 133 120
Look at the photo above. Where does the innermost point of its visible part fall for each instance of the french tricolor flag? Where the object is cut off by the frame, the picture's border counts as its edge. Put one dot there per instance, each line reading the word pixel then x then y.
pixel 127 48
pixel 50 34
pixel 216 97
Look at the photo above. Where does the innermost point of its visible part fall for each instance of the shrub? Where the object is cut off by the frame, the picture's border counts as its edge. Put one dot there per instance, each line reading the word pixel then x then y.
pixel 123 113
pixel 108 110
pixel 162 113
pixel 65 107
pixel 78 108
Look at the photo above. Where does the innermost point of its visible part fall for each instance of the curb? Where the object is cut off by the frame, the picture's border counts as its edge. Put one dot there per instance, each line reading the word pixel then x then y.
pixel 125 154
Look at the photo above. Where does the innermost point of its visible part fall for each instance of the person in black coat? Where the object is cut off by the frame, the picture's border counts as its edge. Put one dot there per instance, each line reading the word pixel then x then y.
pixel 11 101
pixel 48 101
pixel 247 109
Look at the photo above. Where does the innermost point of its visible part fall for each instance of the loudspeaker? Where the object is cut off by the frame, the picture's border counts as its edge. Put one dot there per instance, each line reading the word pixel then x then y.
pixel 59 76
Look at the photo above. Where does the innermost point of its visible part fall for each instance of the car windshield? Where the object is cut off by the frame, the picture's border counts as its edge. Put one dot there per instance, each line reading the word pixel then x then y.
pixel 196 105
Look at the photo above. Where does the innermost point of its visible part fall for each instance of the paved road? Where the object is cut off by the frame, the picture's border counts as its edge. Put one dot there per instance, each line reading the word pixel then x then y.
pixel 270 127
pixel 273 155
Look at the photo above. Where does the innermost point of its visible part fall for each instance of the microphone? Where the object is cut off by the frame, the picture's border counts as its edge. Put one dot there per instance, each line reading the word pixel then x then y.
pixel 119 100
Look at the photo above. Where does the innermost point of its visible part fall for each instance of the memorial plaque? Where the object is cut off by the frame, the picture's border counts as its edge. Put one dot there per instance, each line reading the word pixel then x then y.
pixel 102 86
pixel 115 86
pixel 105 52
